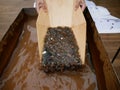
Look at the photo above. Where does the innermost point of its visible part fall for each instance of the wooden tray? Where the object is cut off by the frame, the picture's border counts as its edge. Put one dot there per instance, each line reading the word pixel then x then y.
pixel 106 77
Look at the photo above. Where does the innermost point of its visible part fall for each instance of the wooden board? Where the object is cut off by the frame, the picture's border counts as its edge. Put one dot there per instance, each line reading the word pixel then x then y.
pixel 62 13
pixel 106 77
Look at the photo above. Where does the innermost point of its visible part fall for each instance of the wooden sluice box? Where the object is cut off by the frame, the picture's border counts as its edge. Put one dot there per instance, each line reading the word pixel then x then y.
pixel 19 60
pixel 61 35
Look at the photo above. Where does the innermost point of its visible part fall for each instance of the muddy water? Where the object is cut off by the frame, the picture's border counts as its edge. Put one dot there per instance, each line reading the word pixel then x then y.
pixel 24 73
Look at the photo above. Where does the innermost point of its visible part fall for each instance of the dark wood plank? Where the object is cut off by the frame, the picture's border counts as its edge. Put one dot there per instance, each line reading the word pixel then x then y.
pixel 10 40
pixel 105 74
pixel 111 42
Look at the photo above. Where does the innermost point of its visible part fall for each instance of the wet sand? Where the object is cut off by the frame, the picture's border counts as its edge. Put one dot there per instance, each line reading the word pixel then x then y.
pixel 24 72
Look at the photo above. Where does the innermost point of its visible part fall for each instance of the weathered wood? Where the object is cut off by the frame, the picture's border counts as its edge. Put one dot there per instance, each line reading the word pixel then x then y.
pixel 9 41
pixel 106 76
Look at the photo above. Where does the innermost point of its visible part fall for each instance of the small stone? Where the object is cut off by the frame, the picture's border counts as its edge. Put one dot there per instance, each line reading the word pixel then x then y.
pixel 61 38
pixel 51 38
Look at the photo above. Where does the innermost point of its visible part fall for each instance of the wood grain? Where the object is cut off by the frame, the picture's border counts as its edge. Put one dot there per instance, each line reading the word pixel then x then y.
pixel 62 13
pixel 106 77
pixel 9 9
pixel 111 42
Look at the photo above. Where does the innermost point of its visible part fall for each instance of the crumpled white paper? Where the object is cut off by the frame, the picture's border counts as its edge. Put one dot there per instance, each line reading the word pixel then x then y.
pixel 105 23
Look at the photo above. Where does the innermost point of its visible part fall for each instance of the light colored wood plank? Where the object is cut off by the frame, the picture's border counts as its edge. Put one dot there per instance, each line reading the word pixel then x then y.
pixel 62 13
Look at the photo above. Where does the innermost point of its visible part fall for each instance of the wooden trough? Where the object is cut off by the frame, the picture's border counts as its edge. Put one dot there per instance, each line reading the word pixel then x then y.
pixel 106 77
pixel 60 15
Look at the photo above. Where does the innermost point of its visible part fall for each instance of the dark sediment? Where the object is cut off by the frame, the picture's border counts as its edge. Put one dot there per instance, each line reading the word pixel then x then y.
pixel 60 50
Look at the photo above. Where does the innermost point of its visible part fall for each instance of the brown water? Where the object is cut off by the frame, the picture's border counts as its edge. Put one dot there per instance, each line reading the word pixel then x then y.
pixel 24 73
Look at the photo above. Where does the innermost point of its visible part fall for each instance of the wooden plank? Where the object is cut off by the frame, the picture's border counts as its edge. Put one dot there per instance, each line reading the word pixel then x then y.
pixel 62 13
pixel 111 43
pixel 106 77
pixel 10 40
